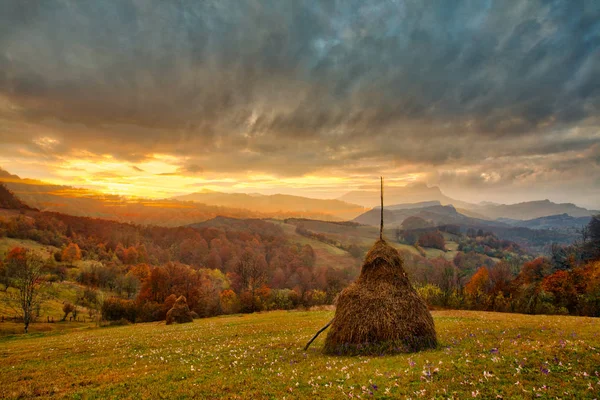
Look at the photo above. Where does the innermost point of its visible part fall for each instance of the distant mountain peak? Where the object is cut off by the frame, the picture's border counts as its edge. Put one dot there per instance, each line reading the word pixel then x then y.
pixel 9 201
pixel 5 174
pixel 416 192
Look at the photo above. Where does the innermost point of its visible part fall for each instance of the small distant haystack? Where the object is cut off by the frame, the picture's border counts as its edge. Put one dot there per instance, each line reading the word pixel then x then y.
pixel 180 312
pixel 380 313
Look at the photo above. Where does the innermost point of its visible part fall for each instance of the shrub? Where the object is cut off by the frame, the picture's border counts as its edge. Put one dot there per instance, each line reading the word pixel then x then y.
pixel 432 294
pixel 114 309
pixel 150 311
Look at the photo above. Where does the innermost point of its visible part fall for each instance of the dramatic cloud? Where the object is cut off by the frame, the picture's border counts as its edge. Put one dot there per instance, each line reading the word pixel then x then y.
pixel 502 95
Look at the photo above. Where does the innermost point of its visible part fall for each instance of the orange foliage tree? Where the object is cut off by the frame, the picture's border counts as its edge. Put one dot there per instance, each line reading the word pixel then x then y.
pixel 71 253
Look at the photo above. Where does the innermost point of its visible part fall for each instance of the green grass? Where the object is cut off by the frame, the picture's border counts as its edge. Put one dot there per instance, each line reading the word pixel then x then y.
pixel 327 255
pixel 7 244
pixel 260 356
pixel 56 294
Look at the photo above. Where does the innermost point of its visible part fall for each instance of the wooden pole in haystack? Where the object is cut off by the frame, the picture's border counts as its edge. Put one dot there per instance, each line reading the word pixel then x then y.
pixel 381 224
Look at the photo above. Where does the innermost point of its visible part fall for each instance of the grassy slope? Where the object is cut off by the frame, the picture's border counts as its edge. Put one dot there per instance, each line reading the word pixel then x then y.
pixel 6 244
pixel 327 255
pixel 57 293
pixel 363 236
pixel 260 356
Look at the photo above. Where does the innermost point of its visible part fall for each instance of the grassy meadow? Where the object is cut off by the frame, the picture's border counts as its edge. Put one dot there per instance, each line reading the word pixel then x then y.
pixel 481 355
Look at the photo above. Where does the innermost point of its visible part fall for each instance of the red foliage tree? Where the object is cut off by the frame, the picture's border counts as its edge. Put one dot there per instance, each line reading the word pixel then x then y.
pixel 479 283
pixel 561 285
pixel 432 239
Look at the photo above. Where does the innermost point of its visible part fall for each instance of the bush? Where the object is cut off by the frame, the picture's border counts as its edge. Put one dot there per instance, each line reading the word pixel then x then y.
pixel 456 300
pixel 115 309
pixel 150 311
pixel 432 294
pixel 280 299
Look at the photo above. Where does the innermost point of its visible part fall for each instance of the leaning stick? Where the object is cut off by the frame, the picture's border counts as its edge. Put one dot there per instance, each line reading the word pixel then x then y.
pixel 317 334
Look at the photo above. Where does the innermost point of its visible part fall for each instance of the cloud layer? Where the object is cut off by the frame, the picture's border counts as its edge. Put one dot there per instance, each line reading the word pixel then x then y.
pixel 468 95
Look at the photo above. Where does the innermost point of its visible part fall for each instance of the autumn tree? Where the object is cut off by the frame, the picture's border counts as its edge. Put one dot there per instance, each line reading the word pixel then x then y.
pixel 480 282
pixel 251 270
pixel 67 309
pixel 500 277
pixel 229 301
pixel 251 274
pixel 308 256
pixel 534 271
pixel 478 288
pixel 24 271
pixel 432 239
pixel 71 253
pixel 561 285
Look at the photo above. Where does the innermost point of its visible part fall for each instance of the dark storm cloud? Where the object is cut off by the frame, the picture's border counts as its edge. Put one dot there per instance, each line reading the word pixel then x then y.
pixel 293 86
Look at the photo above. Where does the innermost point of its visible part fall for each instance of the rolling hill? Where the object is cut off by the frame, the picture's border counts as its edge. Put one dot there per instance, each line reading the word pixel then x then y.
pixel 436 215
pixel 172 212
pixel 553 222
pixel 420 195
pixel 279 203
pixel 87 203
pixel 532 209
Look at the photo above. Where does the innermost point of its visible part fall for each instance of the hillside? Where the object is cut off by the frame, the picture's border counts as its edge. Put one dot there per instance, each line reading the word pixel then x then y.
pixel 436 215
pixel 553 222
pixel 420 195
pixel 532 209
pixel 278 203
pixel 86 203
pixel 171 212
pixel 408 206
pixel 481 354
pixel 9 201
pixel 537 239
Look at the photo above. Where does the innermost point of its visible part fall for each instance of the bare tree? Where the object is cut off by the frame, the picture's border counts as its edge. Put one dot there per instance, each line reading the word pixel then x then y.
pixel 25 274
pixel 251 269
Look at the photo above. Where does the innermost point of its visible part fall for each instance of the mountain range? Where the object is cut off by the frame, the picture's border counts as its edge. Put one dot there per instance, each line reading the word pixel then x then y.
pixel 436 215
pixel 420 195
pixel 428 201
pixel 553 222
pixel 337 209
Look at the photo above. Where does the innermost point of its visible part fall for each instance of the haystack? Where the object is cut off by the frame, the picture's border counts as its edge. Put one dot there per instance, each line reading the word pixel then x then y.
pixel 380 313
pixel 180 312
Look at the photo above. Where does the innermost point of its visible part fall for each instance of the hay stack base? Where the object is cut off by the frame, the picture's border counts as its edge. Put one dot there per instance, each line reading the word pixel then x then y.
pixel 180 312
pixel 380 313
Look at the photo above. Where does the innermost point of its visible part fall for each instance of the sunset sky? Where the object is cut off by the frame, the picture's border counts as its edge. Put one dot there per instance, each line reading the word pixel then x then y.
pixel 490 100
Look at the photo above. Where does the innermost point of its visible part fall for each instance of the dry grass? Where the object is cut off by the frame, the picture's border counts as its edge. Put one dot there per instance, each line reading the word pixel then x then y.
pixel 381 313
pixel 259 356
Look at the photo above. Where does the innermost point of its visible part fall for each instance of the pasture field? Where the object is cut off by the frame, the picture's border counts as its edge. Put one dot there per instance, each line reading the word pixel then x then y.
pixel 481 355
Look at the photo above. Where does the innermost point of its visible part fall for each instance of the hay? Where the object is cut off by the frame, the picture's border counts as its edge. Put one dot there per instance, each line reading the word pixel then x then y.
pixel 180 312
pixel 380 313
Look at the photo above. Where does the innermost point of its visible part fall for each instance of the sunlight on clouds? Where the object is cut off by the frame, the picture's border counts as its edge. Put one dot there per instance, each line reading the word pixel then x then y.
pixel 163 175
pixel 46 142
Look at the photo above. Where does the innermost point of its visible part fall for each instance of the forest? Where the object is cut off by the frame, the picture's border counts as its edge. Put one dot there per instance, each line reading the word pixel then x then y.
pixel 134 273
